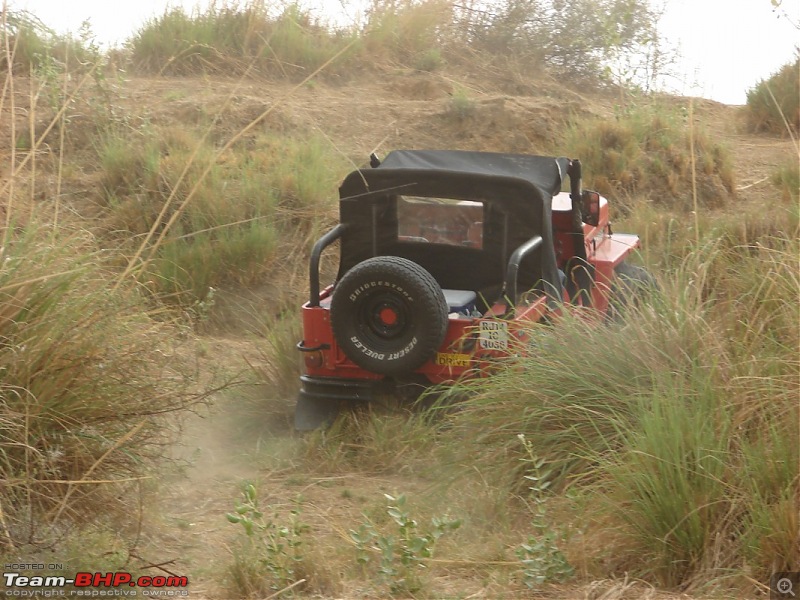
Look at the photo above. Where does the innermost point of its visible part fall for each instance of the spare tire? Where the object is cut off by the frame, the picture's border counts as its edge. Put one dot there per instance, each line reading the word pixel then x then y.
pixel 389 315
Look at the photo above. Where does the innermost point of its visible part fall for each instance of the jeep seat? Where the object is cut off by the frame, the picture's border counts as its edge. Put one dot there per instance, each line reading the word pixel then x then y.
pixel 460 301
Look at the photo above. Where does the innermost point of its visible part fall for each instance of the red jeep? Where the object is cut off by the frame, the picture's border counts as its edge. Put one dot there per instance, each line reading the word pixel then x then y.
pixel 445 257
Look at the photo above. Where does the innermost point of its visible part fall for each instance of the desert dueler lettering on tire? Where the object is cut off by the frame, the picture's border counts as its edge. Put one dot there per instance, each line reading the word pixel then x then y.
pixel 388 315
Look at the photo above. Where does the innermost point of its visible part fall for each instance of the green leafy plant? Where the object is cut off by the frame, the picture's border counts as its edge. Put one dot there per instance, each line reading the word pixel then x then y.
pixel 541 557
pixel 404 552
pixel 460 106
pixel 275 548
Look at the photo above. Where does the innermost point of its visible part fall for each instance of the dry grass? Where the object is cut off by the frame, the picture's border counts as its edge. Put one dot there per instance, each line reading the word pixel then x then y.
pixel 195 217
pixel 89 381
pixel 86 391
pixel 424 35
pixel 773 105
pixel 655 152
pixel 236 40
pixel 670 426
pixel 90 365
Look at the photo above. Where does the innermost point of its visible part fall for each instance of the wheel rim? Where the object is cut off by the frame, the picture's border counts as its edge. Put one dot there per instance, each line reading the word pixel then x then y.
pixel 384 319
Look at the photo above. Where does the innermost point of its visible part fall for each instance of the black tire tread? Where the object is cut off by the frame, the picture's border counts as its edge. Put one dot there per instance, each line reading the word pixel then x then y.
pixel 632 284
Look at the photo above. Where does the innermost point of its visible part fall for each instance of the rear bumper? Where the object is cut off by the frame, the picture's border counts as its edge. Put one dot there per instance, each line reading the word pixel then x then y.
pixel 334 389
pixel 321 399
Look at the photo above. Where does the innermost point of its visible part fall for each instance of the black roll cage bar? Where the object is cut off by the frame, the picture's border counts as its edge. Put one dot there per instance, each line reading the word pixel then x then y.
pixel 322 243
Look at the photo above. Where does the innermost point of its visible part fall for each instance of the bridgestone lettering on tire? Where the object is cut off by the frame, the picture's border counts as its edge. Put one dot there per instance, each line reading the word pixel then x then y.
pixel 388 315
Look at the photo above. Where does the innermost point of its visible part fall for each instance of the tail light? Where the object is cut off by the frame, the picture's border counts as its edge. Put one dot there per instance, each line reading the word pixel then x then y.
pixel 313 360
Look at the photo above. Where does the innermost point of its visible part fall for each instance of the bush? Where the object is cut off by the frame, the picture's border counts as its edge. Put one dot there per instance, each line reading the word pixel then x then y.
pixel 576 38
pixel 226 40
pixel 646 150
pixel 35 47
pixel 231 213
pixel 774 105
pixel 84 386
pixel 679 428
pixel 272 555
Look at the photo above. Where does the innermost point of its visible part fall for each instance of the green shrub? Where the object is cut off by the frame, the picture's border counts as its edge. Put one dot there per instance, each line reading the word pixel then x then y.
pixel 272 556
pixel 541 557
pixel 773 105
pixel 404 551
pixel 429 60
pixel 460 107
pixel 677 426
pixel 227 40
pixel 576 38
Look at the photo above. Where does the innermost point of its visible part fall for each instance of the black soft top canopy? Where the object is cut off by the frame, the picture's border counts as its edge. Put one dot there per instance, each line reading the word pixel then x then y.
pixel 516 191
pixel 542 172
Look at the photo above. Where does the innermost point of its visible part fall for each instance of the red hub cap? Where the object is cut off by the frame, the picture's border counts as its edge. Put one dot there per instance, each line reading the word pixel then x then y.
pixel 388 316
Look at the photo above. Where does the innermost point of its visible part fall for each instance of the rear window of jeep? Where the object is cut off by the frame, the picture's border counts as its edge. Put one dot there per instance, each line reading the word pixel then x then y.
pixel 440 221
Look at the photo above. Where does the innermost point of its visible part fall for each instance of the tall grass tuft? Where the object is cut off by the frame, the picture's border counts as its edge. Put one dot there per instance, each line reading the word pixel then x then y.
pixel 273 193
pixel 373 439
pixel 281 364
pixel 773 105
pixel 677 427
pixel 229 40
pixel 646 150
pixel 85 382
pixel 408 32
pixel 787 179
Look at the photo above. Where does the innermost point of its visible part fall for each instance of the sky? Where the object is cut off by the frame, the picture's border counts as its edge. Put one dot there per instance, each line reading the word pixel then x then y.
pixel 725 46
